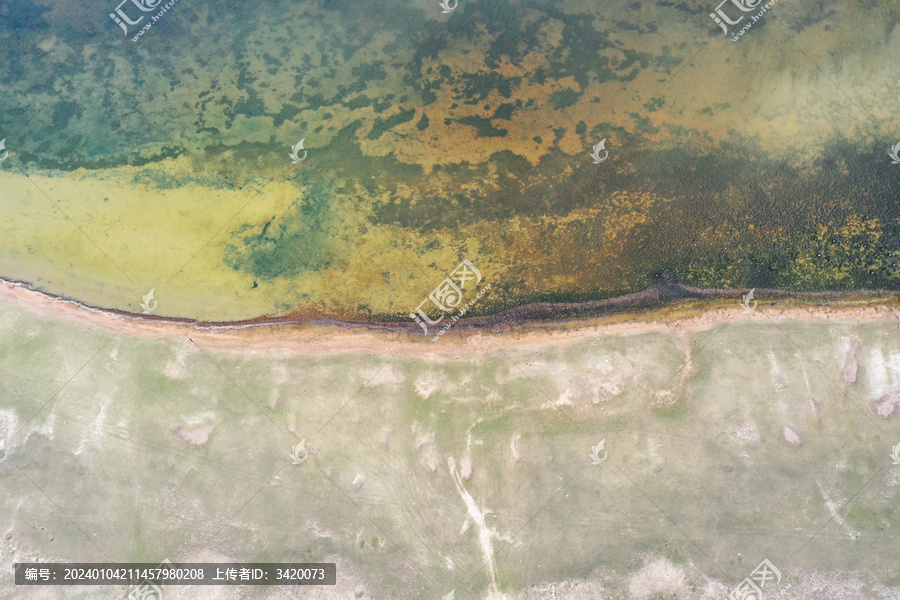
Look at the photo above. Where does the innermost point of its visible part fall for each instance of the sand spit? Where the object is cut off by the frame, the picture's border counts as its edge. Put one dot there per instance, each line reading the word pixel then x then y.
pixel 687 311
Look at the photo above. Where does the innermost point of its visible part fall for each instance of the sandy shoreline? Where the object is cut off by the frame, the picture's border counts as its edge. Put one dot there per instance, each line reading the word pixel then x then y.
pixel 313 336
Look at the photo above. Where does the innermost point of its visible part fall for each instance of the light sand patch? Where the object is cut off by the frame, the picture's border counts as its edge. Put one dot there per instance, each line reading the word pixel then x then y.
pixel 175 370
pixel 429 460
pixel 564 399
pixel 280 373
pixel 196 436
pixel 839 586
pixel 688 370
pixel 666 397
pixel 426 385
pixel 833 508
pixel 604 391
pixel 746 433
pixel 514 448
pixel 465 467
pixel 563 590
pixel 886 406
pixel 657 577
pixel 779 383
pixel 790 436
pixel 386 376
pixel 814 407
pixel 424 440
pixel 196 430
pixel 881 373
pixel 485 534
pixel 851 364
pixel 95 434
pixel 317 531
pixel 8 421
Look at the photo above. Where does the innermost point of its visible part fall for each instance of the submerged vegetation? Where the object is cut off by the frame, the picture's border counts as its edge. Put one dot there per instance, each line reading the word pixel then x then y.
pixel 436 138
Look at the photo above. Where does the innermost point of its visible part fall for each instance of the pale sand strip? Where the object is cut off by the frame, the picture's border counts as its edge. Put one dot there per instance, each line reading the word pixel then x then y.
pixel 312 338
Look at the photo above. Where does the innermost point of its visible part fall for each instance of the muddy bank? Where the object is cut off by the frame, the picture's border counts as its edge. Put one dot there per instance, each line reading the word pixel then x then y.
pixel 664 308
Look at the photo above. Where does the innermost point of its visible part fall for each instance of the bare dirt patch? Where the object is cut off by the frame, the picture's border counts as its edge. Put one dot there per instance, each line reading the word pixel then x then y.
pixel 887 405
pixel 197 435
